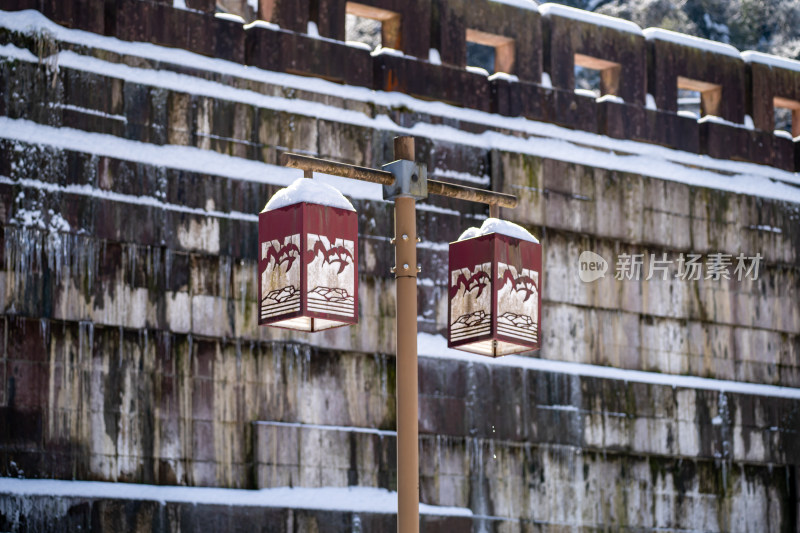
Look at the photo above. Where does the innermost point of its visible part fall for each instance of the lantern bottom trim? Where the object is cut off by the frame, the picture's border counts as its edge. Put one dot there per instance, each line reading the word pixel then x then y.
pixel 492 348
pixel 305 323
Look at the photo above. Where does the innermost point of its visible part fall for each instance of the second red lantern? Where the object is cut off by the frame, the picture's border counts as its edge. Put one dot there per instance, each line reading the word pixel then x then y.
pixel 495 287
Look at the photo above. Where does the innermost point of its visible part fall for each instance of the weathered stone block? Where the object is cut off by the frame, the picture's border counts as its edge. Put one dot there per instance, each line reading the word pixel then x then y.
pixel 414 14
pixel 782 150
pixel 621 120
pixel 429 81
pixel 725 142
pixel 765 82
pixel 85 15
pixel 289 14
pixel 262 47
pixel 452 19
pixel 574 110
pixel 566 37
pixel 229 39
pixel 671 129
pixel 300 54
pixel 668 60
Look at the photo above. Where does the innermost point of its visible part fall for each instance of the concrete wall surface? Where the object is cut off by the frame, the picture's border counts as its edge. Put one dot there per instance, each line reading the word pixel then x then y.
pixel 138 143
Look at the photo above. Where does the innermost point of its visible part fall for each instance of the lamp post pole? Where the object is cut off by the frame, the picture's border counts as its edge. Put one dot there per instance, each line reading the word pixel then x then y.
pixel 405 242
pixel 405 270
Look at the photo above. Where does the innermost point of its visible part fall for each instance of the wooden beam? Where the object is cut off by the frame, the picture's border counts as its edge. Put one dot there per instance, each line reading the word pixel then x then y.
pixel 697 85
pixel 487 39
pixel 370 12
pixel 594 63
pixel 787 103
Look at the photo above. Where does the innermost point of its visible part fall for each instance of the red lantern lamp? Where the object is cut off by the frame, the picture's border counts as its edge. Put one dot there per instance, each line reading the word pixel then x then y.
pixel 495 278
pixel 308 258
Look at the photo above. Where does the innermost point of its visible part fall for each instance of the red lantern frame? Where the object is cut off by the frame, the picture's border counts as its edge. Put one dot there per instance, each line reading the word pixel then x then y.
pixel 301 245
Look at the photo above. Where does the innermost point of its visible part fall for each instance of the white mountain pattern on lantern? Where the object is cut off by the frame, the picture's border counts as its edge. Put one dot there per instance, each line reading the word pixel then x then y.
pixel 284 294
pixel 470 325
pixel 281 301
pixel 514 325
pixel 331 300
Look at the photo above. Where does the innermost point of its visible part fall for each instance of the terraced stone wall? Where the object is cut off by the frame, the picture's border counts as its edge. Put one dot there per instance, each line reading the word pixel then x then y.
pixel 129 186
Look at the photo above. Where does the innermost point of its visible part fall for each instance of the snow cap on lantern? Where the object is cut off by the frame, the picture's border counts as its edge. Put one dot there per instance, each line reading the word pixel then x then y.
pixel 308 258
pixel 495 285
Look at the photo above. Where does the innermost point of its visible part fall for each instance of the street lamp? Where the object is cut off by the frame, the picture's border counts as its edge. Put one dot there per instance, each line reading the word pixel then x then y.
pixel 495 274
pixel 308 258
pixel 404 182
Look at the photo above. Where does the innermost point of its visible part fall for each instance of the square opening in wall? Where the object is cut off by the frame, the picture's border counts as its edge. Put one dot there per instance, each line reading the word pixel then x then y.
pixel 709 94
pixel 490 52
pixel 372 26
pixel 596 77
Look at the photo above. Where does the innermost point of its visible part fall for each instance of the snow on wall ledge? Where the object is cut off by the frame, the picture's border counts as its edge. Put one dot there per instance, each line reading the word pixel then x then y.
pixel 521 97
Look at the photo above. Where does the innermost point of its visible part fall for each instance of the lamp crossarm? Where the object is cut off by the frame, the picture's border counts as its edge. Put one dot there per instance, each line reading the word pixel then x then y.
pixel 440 188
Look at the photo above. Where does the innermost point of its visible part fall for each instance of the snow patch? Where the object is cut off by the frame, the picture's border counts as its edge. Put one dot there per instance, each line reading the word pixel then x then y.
pixel 179 4
pixel 262 24
pixel 751 56
pixel 92 192
pixel 382 50
pixel 309 191
pixel 311 29
pixel 548 10
pixel 503 227
pixel 352 499
pixel 718 120
pixel 229 16
pixel 503 76
pixel 35 218
pixel 478 70
pixel 359 44
pixel 748 122
pixel 611 98
pixel 650 102
pixel 435 346
pixel 766 227
pixel 658 34
pixel 433 57
pixel 461 176
pixel 349 429
pixel 688 114
pixel 783 133
pixel 587 93
pixel 546 82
